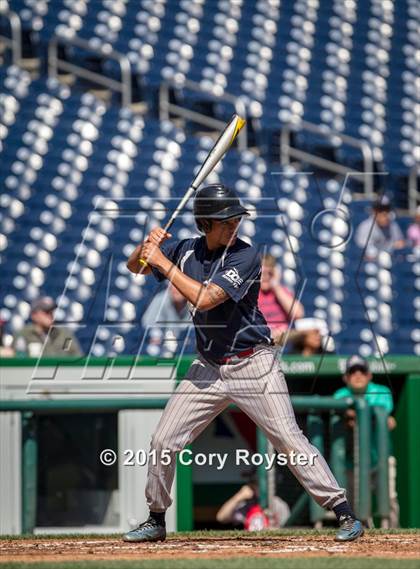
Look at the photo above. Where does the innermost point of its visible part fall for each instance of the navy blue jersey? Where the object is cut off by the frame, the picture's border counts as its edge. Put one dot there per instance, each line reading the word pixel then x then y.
pixel 237 323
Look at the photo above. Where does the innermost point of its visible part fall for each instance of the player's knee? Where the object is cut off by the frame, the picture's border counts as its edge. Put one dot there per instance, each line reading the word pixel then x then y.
pixel 292 441
pixel 161 441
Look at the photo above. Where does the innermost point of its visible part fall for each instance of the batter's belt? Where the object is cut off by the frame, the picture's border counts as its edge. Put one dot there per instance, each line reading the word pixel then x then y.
pixel 240 355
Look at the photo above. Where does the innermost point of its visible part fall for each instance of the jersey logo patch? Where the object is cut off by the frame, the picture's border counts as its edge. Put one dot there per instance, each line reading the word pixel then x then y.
pixel 233 277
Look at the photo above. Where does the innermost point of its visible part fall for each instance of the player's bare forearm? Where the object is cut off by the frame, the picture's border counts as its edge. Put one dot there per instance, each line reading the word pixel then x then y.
pixel 203 297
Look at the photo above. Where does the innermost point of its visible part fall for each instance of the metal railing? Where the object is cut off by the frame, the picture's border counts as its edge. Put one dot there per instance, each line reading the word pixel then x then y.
pixel 362 471
pixel 14 43
pixel 55 64
pixel 166 108
pixel 287 151
pixel 413 192
pixel 380 415
pixel 311 404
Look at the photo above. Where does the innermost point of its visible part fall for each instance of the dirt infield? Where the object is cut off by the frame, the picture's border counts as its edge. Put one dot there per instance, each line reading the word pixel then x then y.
pixel 392 545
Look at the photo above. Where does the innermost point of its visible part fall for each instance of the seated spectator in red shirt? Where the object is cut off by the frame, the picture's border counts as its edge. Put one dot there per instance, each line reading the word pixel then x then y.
pixel 277 303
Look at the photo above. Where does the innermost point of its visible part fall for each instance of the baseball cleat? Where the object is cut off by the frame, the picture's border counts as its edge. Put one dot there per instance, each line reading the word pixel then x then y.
pixel 150 530
pixel 350 529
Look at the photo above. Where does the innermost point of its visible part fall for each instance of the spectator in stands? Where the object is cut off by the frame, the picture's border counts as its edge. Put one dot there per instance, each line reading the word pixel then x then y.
pixel 277 303
pixel 380 232
pixel 42 338
pixel 311 338
pixel 413 232
pixel 166 316
pixel 243 510
pixel 358 380
pixel 6 350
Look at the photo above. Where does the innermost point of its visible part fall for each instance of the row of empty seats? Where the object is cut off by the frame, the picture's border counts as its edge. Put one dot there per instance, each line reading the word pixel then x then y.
pixel 83 183
pixel 350 66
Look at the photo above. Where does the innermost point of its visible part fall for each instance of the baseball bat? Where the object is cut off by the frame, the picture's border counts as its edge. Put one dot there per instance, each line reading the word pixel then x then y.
pixel 221 146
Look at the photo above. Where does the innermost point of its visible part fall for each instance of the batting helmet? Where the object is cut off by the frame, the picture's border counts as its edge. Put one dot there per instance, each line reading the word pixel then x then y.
pixel 216 201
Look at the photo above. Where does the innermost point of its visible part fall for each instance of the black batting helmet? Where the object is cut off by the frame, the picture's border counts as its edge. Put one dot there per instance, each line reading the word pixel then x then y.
pixel 216 201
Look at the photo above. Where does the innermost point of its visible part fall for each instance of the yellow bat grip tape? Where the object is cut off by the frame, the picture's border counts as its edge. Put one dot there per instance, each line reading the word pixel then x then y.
pixel 240 123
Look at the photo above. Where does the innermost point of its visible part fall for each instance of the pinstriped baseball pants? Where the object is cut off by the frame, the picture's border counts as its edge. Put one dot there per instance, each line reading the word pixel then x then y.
pixel 257 386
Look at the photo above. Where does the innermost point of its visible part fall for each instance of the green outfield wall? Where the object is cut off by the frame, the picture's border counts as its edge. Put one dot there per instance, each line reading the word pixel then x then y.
pixel 306 377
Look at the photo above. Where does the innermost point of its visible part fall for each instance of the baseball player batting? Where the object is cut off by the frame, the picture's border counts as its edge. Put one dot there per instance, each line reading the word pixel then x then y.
pixel 218 273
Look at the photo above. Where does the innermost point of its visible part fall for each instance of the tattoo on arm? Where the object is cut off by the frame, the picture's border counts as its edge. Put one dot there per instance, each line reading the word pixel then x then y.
pixel 217 294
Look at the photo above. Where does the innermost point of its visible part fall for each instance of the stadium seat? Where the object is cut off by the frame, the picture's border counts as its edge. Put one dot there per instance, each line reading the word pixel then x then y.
pixel 84 181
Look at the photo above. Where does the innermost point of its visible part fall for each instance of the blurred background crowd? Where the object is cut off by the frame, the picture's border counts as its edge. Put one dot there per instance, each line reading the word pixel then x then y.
pixel 98 144
pixel 167 314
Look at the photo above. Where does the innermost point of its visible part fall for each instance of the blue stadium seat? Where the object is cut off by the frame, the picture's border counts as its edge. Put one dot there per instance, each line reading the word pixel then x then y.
pixel 64 153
